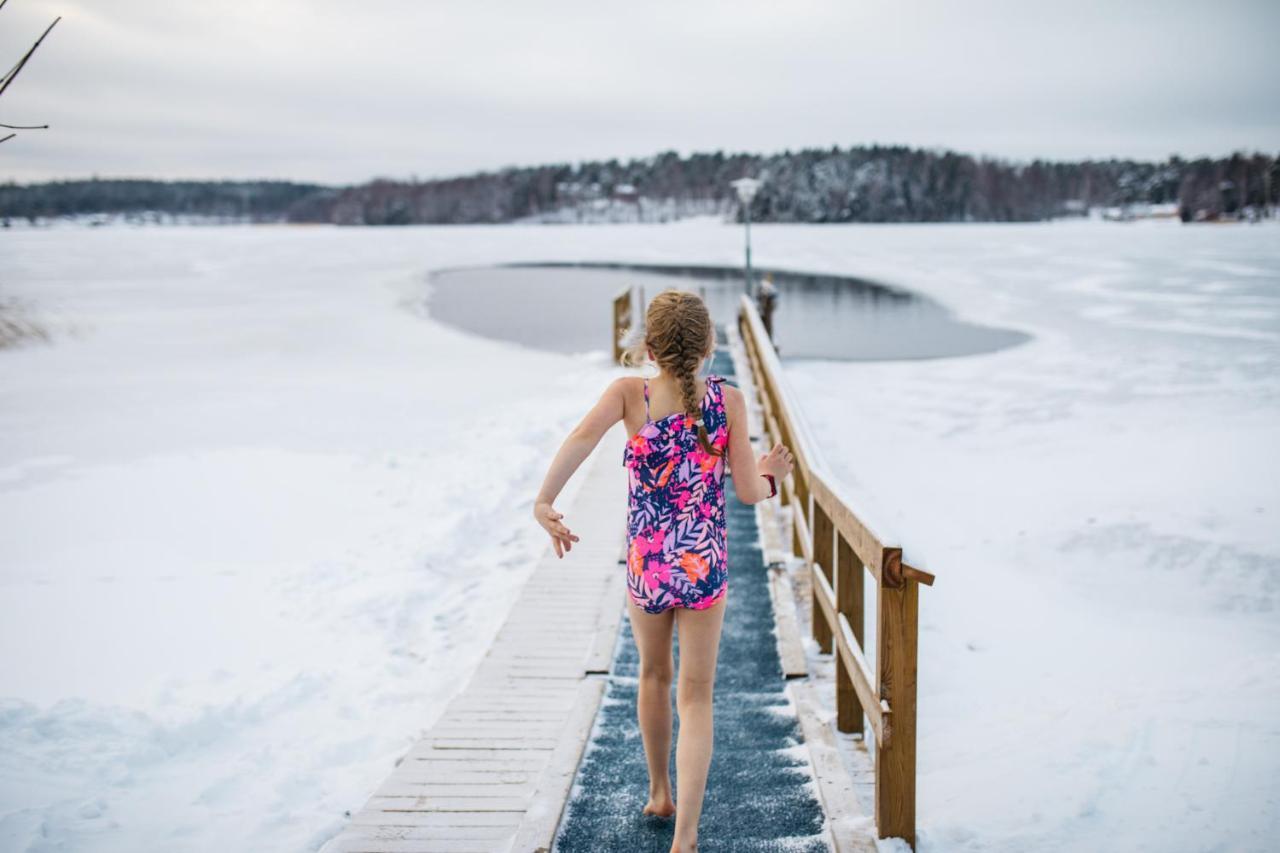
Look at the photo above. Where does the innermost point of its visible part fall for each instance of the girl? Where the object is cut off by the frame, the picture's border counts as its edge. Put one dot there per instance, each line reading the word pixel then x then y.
pixel 676 557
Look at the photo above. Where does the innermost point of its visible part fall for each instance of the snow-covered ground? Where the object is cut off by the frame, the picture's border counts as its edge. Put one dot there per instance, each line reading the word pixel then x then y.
pixel 260 521
pixel 1100 656
pixel 261 517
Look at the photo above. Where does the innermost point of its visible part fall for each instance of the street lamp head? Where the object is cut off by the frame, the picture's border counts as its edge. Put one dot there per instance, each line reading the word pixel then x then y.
pixel 747 188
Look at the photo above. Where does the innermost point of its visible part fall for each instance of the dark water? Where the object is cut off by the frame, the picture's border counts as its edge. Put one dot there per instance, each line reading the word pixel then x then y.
pixel 568 308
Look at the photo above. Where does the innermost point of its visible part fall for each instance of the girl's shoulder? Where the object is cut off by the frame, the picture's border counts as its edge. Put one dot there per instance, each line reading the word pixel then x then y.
pixel 729 393
pixel 627 389
pixel 627 383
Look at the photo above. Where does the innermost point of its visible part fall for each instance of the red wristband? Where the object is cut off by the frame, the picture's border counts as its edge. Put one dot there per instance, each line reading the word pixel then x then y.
pixel 773 486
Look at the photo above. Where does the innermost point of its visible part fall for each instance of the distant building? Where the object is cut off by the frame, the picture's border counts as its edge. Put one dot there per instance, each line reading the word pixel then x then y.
pixel 1141 210
pixel 626 192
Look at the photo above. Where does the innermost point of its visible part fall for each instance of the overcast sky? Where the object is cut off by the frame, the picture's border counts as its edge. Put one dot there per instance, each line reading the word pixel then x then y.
pixel 340 91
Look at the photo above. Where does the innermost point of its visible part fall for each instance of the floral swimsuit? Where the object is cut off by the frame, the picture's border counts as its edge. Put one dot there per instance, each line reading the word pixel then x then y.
pixel 676 508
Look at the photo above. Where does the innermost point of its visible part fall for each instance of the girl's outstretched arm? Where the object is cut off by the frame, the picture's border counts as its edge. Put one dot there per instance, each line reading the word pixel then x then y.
pixel 748 483
pixel 607 411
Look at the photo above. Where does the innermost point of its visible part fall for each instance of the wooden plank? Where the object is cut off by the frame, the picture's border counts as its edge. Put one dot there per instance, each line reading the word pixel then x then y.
pixel 506 681
pixel 896 634
pixel 521 759
pixel 447 762
pixel 533 654
pixel 483 713
pixel 367 819
pixel 612 610
pixel 465 725
pixel 622 321
pixel 422 754
pixel 500 730
pixel 515 805
pixel 542 817
pixel 515 742
pixel 498 684
pixel 510 706
pixel 502 756
pixel 515 669
pixel 496 832
pixel 849 655
pixel 533 626
pixel 512 699
pixel 534 648
pixel 800 526
pixel 359 844
pixel 849 823
pixel 864 542
pixel 849 602
pixel 790 647
pixel 464 774
pixel 770 379
pixel 491 789
pixel 822 562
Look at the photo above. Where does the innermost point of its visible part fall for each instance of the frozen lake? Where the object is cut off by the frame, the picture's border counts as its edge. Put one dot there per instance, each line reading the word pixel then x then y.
pixel 263 512
pixel 563 308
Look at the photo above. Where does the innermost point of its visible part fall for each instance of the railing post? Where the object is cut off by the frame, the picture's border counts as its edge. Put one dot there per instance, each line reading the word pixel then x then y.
pixel 897 629
pixel 849 601
pixel 622 313
pixel 820 530
pixel 804 498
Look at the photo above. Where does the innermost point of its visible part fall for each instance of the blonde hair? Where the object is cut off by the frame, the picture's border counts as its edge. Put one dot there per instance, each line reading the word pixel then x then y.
pixel 678 328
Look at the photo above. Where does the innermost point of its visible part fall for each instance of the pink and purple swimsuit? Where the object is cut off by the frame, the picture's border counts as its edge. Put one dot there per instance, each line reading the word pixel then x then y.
pixel 676 508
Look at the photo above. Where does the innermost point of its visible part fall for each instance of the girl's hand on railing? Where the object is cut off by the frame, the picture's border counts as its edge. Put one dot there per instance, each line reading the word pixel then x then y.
pixel 777 462
pixel 561 537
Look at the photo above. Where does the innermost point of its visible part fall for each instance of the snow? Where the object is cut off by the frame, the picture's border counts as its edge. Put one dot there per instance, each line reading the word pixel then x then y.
pixel 1099 657
pixel 261 521
pixel 261 517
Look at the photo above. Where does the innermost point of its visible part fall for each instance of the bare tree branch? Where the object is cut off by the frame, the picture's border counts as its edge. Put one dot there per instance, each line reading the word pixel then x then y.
pixel 14 73
pixel 7 138
pixel 24 126
pixel 9 73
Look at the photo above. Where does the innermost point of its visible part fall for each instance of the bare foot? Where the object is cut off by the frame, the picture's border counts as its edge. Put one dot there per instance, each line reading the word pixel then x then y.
pixel 690 847
pixel 660 807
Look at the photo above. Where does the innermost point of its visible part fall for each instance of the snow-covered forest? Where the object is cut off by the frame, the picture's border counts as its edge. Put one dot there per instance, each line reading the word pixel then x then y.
pixel 858 184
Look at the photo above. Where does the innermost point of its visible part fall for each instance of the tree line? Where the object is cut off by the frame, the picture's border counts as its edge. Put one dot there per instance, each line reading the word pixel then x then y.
pixel 856 184
pixel 248 201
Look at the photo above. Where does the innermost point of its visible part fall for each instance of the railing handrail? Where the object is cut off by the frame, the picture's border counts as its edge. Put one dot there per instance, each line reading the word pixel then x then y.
pixel 837 544
pixel 877 533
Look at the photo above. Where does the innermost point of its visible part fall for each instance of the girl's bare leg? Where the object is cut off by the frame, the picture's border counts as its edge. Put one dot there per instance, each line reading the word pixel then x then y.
pixel 652 633
pixel 699 632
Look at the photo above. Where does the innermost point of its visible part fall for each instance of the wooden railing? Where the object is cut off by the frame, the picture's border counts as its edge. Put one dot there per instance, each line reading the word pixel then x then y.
pixel 621 321
pixel 837 546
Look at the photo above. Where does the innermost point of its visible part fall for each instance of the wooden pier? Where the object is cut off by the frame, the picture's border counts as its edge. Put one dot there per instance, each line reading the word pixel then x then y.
pixel 496 772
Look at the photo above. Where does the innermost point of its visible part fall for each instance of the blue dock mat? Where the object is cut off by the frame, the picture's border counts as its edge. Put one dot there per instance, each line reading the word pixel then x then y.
pixel 760 796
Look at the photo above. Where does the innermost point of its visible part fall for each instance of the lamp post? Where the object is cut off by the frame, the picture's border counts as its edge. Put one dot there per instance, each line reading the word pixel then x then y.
pixel 747 189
